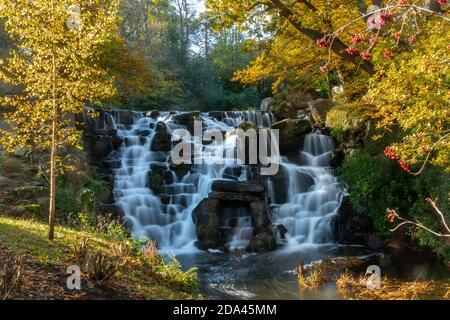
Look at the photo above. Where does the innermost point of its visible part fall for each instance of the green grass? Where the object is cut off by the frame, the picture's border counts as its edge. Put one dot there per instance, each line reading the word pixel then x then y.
pixel 29 238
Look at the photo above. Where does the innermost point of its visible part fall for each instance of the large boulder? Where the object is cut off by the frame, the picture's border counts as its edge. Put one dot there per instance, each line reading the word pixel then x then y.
pixel 186 119
pixel 263 241
pixel 319 109
pixel 266 104
pixel 157 177
pixel 207 220
pixel 238 186
pixel 125 117
pixel 162 140
pixel 298 98
pixel 223 200
pixel 291 132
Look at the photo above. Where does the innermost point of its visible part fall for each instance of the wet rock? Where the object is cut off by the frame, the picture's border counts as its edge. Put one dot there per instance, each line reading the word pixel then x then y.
pixel 217 207
pixel 261 242
pixel 282 231
pixel 112 164
pixel 153 114
pixel 238 186
pixel 290 134
pixel 125 117
pixel 219 115
pixel 247 125
pixel 162 140
pixel 266 104
pixel 207 220
pixel 233 196
pixel 157 177
pixel 143 132
pixel 187 120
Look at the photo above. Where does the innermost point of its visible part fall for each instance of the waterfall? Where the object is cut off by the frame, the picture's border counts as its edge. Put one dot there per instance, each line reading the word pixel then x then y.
pixel 313 195
pixel 158 198
pixel 166 216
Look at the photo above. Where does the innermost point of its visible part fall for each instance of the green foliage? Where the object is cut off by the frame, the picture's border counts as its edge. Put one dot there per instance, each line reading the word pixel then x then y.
pixel 338 134
pixel 172 273
pixel 376 183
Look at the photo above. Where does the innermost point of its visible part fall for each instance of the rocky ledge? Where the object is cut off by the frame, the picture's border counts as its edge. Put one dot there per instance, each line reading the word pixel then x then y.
pixel 209 215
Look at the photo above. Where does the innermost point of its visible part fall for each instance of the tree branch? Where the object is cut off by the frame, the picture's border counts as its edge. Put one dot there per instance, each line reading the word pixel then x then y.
pixel 337 46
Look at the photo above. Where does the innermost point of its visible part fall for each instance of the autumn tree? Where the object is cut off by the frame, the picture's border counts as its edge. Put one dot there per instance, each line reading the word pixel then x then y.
pixel 57 63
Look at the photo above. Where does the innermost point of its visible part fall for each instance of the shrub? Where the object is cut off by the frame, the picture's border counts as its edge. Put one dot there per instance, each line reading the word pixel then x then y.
pixel 171 272
pixel 97 265
pixel 376 183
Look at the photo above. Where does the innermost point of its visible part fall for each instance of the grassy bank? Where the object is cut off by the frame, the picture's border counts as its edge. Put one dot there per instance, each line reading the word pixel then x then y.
pixel 43 273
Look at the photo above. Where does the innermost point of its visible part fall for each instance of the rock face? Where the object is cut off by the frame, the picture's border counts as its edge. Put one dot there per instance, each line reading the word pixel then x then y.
pixel 319 109
pixel 209 215
pixel 291 132
pixel 351 227
pixel 238 186
pixel 162 140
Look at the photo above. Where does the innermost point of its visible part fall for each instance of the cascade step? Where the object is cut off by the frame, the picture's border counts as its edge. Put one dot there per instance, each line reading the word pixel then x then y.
pixel 179 188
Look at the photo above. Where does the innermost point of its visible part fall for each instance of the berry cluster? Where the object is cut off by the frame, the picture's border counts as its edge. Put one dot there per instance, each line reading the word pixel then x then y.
pixel 323 43
pixel 366 55
pixel 387 53
pixel 391 215
pixel 352 51
pixel 392 155
pixel 357 38
pixel 385 18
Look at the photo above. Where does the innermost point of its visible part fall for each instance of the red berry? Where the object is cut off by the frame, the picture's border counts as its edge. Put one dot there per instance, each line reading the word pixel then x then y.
pixel 385 18
pixel 442 2
pixel 366 55
pixel 357 38
pixel 352 51
pixel 322 43
pixel 404 165
pixel 387 53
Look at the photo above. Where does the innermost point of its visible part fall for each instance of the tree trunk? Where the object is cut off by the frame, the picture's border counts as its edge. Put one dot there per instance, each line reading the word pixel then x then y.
pixel 53 151
pixel 52 209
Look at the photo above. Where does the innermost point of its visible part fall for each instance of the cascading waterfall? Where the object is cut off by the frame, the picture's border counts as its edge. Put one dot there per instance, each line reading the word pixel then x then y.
pixel 170 223
pixel 305 204
pixel 313 193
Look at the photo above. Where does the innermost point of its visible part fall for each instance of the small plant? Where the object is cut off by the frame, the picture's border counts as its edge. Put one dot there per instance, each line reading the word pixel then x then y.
pixel 151 254
pixel 173 274
pixel 97 265
pixel 11 269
